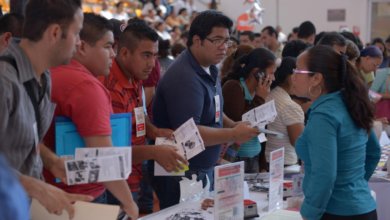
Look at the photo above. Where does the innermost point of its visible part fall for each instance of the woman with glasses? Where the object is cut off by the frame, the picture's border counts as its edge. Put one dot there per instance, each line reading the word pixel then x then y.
pixel 290 118
pixel 369 61
pixel 246 88
pixel 338 145
pixel 380 43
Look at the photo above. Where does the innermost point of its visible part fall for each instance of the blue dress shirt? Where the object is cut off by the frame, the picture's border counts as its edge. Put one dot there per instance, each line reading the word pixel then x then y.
pixel 339 160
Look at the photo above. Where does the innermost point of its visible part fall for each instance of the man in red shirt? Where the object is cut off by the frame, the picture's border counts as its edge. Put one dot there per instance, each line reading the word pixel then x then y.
pixel 138 47
pixel 81 97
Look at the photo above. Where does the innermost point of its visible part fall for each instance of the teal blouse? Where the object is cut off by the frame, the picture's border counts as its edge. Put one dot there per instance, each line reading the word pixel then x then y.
pixel 379 84
pixel 339 160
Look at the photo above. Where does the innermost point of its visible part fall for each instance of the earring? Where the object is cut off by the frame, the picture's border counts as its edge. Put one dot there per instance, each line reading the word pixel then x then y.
pixel 315 95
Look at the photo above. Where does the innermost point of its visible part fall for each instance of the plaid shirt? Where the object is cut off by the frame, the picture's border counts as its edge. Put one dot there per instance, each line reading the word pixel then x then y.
pixel 125 97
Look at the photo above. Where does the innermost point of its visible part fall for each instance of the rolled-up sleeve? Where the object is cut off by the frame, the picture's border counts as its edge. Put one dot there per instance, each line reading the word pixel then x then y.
pixel 322 149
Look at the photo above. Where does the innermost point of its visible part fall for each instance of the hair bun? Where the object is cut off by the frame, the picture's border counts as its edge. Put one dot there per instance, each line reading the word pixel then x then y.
pixel 244 59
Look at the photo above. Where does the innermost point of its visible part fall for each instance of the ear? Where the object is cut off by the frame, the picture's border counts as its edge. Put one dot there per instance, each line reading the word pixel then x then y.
pixel 53 33
pixel 196 41
pixel 82 48
pixel 318 78
pixel 124 54
pixel 7 38
pixel 255 70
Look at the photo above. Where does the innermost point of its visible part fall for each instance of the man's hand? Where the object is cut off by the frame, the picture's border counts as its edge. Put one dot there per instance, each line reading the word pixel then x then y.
pixel 131 210
pixel 167 157
pixel 243 133
pixel 57 168
pixel 52 198
pixel 162 132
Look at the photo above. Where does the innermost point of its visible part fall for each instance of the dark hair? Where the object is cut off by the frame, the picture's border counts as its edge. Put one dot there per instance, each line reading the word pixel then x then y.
pixel 288 37
pixel 271 30
pixel 306 29
pixel 181 10
pixel 136 20
pixel 119 4
pixel 250 34
pixel 388 40
pixel 381 41
pixel 257 34
pixel 333 38
pixel 233 38
pixel 158 24
pixel 185 34
pixel 339 74
pixel 175 27
pixel 163 47
pixel 352 50
pixel 229 63
pixel 205 21
pixel 293 48
pixel 295 30
pixel 177 49
pixel 258 58
pixel 285 70
pixel 318 37
pixel 94 28
pixel 40 14
pixel 134 33
pixel 352 37
pixel 13 23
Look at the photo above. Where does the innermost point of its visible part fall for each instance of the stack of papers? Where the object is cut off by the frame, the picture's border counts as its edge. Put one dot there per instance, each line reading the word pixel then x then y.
pixel 99 165
pixel 187 140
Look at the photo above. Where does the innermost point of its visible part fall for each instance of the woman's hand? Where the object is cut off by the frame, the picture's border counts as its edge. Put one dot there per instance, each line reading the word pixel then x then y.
pixel 263 89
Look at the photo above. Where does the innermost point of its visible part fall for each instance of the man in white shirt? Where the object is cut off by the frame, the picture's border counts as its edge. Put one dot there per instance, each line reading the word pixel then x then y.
pixel 105 12
pixel 120 14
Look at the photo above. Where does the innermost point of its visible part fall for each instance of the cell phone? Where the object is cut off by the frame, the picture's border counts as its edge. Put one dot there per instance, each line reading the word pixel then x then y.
pixel 258 74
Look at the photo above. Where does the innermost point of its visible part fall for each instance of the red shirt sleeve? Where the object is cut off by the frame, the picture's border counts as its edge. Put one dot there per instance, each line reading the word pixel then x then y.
pixel 89 107
pixel 154 76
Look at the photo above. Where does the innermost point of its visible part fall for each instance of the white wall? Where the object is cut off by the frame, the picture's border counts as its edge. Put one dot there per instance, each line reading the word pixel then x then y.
pixel 292 13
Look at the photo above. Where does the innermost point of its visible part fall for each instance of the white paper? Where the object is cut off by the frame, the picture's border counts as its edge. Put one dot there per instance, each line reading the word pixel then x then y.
pixel 246 190
pixel 192 214
pixel 229 191
pixel 82 210
pixel 261 115
pixel 188 142
pixel 98 169
pixel 82 153
pixel 276 168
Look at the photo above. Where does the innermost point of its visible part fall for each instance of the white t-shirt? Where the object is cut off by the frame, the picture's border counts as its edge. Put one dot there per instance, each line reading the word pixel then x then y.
pixel 122 17
pixel 207 69
pixel 289 113
pixel 106 13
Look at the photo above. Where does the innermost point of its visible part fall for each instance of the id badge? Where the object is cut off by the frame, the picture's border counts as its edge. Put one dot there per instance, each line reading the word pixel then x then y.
pixel 217 108
pixel 140 121
pixel 36 140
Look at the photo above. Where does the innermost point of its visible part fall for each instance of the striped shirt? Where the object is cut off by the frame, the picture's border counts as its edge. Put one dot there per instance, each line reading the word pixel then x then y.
pixel 289 113
pixel 17 115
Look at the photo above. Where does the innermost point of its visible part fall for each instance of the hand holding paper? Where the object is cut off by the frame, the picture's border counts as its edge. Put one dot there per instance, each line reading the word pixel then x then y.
pixel 58 170
pixel 243 132
pixel 168 158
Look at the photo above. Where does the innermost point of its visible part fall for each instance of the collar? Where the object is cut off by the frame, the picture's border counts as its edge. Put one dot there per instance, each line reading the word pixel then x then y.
pixel 280 48
pixel 25 68
pixel 323 99
pixel 197 67
pixel 122 80
pixel 281 90
pixel 76 65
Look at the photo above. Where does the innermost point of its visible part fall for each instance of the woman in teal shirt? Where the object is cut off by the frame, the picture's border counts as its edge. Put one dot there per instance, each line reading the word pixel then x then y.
pixel 338 145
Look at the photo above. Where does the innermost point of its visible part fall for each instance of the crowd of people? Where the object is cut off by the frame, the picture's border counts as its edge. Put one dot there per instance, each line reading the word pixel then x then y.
pixel 169 69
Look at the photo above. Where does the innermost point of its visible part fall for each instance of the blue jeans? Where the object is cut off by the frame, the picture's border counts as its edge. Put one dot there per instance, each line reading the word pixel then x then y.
pixel 146 191
pixel 111 200
pixel 167 188
pixel 102 199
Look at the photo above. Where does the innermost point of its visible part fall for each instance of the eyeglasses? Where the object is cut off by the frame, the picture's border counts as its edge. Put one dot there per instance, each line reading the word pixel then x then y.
pixel 302 71
pixel 376 66
pixel 219 43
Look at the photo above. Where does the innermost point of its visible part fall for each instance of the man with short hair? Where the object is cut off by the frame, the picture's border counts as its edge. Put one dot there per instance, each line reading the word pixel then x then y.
pixel 11 25
pixel 82 98
pixel 26 110
pixel 191 89
pixel 293 48
pixel 258 41
pixel 137 50
pixel 307 32
pixel 269 36
pixel 247 38
pixel 335 40
pixel 294 34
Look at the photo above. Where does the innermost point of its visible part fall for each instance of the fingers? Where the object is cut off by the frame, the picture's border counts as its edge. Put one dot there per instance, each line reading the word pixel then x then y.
pixel 69 208
pixel 178 165
pixel 79 197
pixel 181 159
pixel 246 123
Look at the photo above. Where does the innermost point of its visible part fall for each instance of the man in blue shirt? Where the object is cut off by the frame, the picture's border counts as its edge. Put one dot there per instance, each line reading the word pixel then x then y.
pixel 14 203
pixel 191 88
